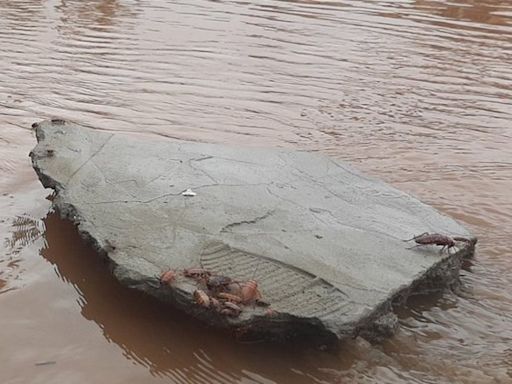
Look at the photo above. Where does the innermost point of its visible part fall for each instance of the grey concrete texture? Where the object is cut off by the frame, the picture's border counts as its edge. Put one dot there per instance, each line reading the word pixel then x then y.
pixel 323 241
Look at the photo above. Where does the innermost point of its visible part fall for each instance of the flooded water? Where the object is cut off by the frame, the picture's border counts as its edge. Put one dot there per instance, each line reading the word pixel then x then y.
pixel 418 93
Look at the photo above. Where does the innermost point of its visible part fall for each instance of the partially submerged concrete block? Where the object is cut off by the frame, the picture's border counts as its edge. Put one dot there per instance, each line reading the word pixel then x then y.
pixel 323 242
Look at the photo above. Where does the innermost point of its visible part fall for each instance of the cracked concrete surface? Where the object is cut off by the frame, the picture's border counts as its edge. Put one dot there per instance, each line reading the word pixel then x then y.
pixel 230 226
pixel 323 241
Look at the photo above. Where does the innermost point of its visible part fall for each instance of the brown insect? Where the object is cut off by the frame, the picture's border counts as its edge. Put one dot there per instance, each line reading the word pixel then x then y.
pixel 230 309
pixel 250 292
pixel 232 306
pixel 196 273
pixel 214 303
pixel 229 297
pixel 168 277
pixel 433 239
pixel 219 283
pixel 235 289
pixel 202 298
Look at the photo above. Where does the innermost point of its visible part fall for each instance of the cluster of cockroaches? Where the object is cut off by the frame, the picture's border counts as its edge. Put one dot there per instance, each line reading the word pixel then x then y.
pixel 220 293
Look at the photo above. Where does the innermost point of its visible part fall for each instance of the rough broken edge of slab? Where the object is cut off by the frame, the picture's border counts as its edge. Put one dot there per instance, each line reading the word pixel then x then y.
pixel 376 325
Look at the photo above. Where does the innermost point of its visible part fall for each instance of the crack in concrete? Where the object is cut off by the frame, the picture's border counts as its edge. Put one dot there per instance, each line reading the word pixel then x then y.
pixel 285 199
pixel 202 158
pixel 179 193
pixel 90 158
pixel 207 157
pixel 189 163
pixel 253 221
pixel 137 201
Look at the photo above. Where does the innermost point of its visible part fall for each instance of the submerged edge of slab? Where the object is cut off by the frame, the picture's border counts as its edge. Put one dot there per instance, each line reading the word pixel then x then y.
pixel 324 242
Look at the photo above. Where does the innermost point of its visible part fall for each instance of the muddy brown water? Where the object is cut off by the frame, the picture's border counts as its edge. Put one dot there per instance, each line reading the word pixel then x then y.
pixel 418 93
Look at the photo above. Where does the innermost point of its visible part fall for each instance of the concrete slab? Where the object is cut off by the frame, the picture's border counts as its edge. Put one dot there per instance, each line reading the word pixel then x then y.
pixel 323 242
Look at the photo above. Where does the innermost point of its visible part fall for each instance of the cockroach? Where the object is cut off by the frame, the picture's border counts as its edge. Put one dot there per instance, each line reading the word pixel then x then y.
pixel 229 297
pixel 234 288
pixel 215 304
pixel 218 283
pixel 230 309
pixel 229 312
pixel 202 298
pixel 250 292
pixel 232 306
pixel 196 273
pixel 433 239
pixel 168 277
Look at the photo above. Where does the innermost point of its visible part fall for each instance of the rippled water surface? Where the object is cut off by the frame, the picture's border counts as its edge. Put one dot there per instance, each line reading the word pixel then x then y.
pixel 418 93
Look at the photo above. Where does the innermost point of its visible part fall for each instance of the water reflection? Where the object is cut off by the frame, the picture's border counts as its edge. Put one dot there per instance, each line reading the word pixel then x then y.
pixel 25 230
pixel 167 342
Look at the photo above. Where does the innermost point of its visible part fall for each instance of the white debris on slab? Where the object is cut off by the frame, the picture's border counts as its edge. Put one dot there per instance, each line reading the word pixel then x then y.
pixel 188 193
